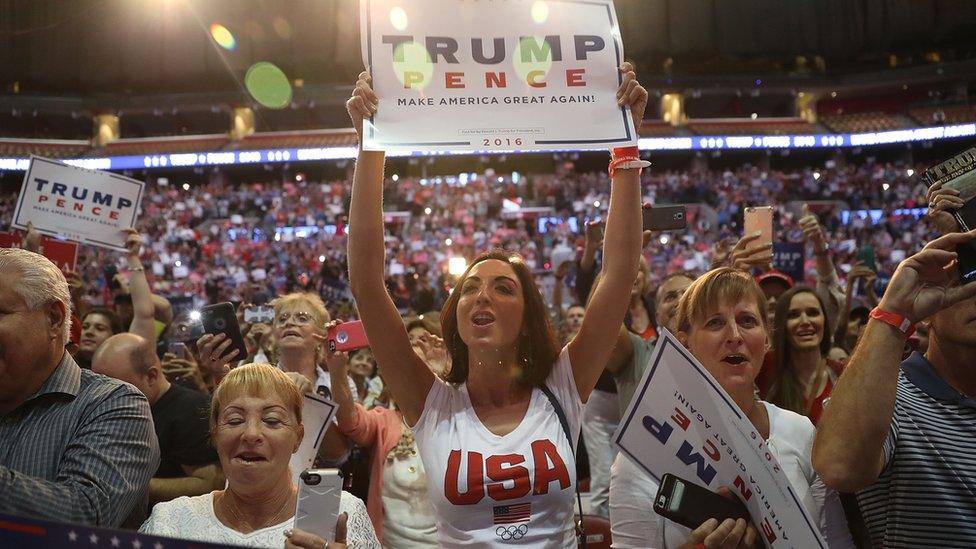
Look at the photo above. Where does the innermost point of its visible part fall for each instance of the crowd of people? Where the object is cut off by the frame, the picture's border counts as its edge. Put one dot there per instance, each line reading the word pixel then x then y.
pixel 458 425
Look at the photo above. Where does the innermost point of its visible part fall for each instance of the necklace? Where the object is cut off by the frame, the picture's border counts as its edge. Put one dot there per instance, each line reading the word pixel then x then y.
pixel 238 522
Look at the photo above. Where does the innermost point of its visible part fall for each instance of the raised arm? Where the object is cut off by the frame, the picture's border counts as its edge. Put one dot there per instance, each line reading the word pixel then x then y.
pixel 848 451
pixel 408 377
pixel 591 348
pixel 143 319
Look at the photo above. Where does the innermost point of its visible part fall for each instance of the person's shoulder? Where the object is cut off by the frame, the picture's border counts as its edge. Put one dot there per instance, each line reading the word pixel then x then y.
pixel 181 509
pixel 789 425
pixel 187 396
pixel 349 503
pixel 98 387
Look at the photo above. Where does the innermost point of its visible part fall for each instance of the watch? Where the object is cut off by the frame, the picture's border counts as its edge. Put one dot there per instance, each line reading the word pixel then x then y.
pixel 897 321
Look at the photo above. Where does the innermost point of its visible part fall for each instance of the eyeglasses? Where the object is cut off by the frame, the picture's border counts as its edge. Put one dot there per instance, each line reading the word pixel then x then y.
pixel 300 318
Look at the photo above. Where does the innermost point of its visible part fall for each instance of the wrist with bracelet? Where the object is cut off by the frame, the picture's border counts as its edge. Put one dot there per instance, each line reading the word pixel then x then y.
pixel 626 158
pixel 895 320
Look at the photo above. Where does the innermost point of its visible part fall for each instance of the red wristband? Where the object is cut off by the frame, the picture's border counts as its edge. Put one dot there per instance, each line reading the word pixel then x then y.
pixel 620 152
pixel 897 321
pixel 616 162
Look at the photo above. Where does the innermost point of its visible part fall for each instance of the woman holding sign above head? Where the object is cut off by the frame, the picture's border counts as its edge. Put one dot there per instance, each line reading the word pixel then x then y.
pixel 498 437
pixel 722 321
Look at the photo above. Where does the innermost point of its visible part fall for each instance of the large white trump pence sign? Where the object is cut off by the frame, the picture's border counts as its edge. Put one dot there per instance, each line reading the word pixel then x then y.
pixel 469 75
pixel 681 421
pixel 86 206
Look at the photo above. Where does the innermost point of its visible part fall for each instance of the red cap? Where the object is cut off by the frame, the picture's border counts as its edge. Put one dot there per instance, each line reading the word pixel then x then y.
pixel 776 275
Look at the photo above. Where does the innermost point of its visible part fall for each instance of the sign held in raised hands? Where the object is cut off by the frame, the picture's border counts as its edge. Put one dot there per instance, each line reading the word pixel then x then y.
pixel 681 421
pixel 87 206
pixel 471 76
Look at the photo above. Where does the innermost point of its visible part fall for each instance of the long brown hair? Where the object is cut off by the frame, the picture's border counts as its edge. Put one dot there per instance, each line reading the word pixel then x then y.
pixel 538 349
pixel 786 390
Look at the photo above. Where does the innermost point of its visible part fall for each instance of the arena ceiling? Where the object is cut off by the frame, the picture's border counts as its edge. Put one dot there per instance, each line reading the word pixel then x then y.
pixel 83 47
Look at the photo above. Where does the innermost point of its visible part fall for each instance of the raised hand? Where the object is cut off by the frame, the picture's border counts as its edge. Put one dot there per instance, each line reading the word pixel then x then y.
pixel 927 282
pixel 812 230
pixel 434 353
pixel 363 103
pixel 187 369
pixel 632 94
pixel 942 202
pixel 32 240
pixel 133 243
pixel 744 257
pixel 594 234
pixel 214 358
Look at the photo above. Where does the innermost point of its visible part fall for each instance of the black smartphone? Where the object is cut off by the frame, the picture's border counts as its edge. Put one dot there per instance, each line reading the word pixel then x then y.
pixel 665 218
pixel 966 258
pixel 690 505
pixel 221 318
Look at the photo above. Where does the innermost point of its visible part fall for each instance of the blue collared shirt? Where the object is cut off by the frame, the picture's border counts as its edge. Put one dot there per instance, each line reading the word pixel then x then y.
pixel 81 449
pixel 926 494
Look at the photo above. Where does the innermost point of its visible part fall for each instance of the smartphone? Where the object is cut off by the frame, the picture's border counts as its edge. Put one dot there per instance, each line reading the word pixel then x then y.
pixel 665 218
pixel 179 350
pixel 257 314
pixel 966 258
pixel 966 216
pixel 759 219
pixel 690 505
pixel 318 502
pixel 347 336
pixel 866 255
pixel 221 318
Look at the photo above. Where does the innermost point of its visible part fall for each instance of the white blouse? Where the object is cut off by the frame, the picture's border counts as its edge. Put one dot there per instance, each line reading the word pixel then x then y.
pixel 193 518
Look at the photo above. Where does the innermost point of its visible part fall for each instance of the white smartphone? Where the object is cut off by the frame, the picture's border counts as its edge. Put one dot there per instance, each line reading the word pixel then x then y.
pixel 318 502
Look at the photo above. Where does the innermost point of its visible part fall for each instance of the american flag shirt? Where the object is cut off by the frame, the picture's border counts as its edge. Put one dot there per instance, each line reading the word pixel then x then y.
pixel 491 490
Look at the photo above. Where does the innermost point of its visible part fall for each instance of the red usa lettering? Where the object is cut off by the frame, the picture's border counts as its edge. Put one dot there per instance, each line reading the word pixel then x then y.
pixel 504 477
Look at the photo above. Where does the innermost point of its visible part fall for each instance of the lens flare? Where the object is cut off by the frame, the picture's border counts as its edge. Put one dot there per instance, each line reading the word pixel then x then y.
pixel 413 65
pixel 268 85
pixel 540 11
pixel 398 18
pixel 532 59
pixel 223 37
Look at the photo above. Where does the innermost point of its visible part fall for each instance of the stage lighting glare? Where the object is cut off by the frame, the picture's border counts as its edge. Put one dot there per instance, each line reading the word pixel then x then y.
pixel 754 116
pixel 282 28
pixel 321 259
pixel 833 94
pixel 299 177
pixel 448 242
pixel 885 186
pixel 178 263
pixel 816 175
pixel 398 18
pixel 268 85
pixel 665 239
pixel 456 266
pixel 427 210
pixel 395 178
pixel 223 37
pixel 195 316
pixel 596 203
pixel 540 11
pixel 412 59
pixel 910 172
pixel 186 186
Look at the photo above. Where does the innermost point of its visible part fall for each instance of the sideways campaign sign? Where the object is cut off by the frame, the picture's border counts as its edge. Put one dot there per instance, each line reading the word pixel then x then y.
pixel 62 253
pixel 87 206
pixel 317 415
pixel 681 421
pixel 475 76
pixel 788 258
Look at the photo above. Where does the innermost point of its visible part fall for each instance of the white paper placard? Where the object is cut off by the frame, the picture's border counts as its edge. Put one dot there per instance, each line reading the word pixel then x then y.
pixel 681 421
pixel 510 75
pixel 317 415
pixel 87 206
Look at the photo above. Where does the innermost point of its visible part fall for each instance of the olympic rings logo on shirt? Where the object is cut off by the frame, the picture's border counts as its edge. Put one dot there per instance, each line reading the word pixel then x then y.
pixel 513 532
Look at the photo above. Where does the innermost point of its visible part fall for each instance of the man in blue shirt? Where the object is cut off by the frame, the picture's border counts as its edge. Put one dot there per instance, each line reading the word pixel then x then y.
pixel 74 446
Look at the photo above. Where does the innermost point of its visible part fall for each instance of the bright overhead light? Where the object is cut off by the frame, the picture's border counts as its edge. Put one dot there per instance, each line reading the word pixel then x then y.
pixel 456 266
pixel 321 259
pixel 427 210
pixel 194 315
pixel 910 172
pixel 395 177
pixel 186 186
pixel 816 175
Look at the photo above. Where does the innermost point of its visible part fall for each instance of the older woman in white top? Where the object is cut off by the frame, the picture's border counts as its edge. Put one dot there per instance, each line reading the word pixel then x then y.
pixel 722 320
pixel 256 424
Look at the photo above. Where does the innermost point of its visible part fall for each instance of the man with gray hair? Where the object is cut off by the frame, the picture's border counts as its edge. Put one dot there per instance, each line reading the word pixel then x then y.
pixel 75 446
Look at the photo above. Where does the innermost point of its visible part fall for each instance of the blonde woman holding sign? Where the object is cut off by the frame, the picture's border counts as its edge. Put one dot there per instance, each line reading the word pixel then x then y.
pixel 722 320
pixel 498 437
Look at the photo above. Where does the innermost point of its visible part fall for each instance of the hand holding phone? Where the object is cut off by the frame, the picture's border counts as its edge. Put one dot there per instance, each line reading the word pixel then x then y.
pixel 691 505
pixel 318 502
pixel 759 219
pixel 347 336
pixel 222 319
